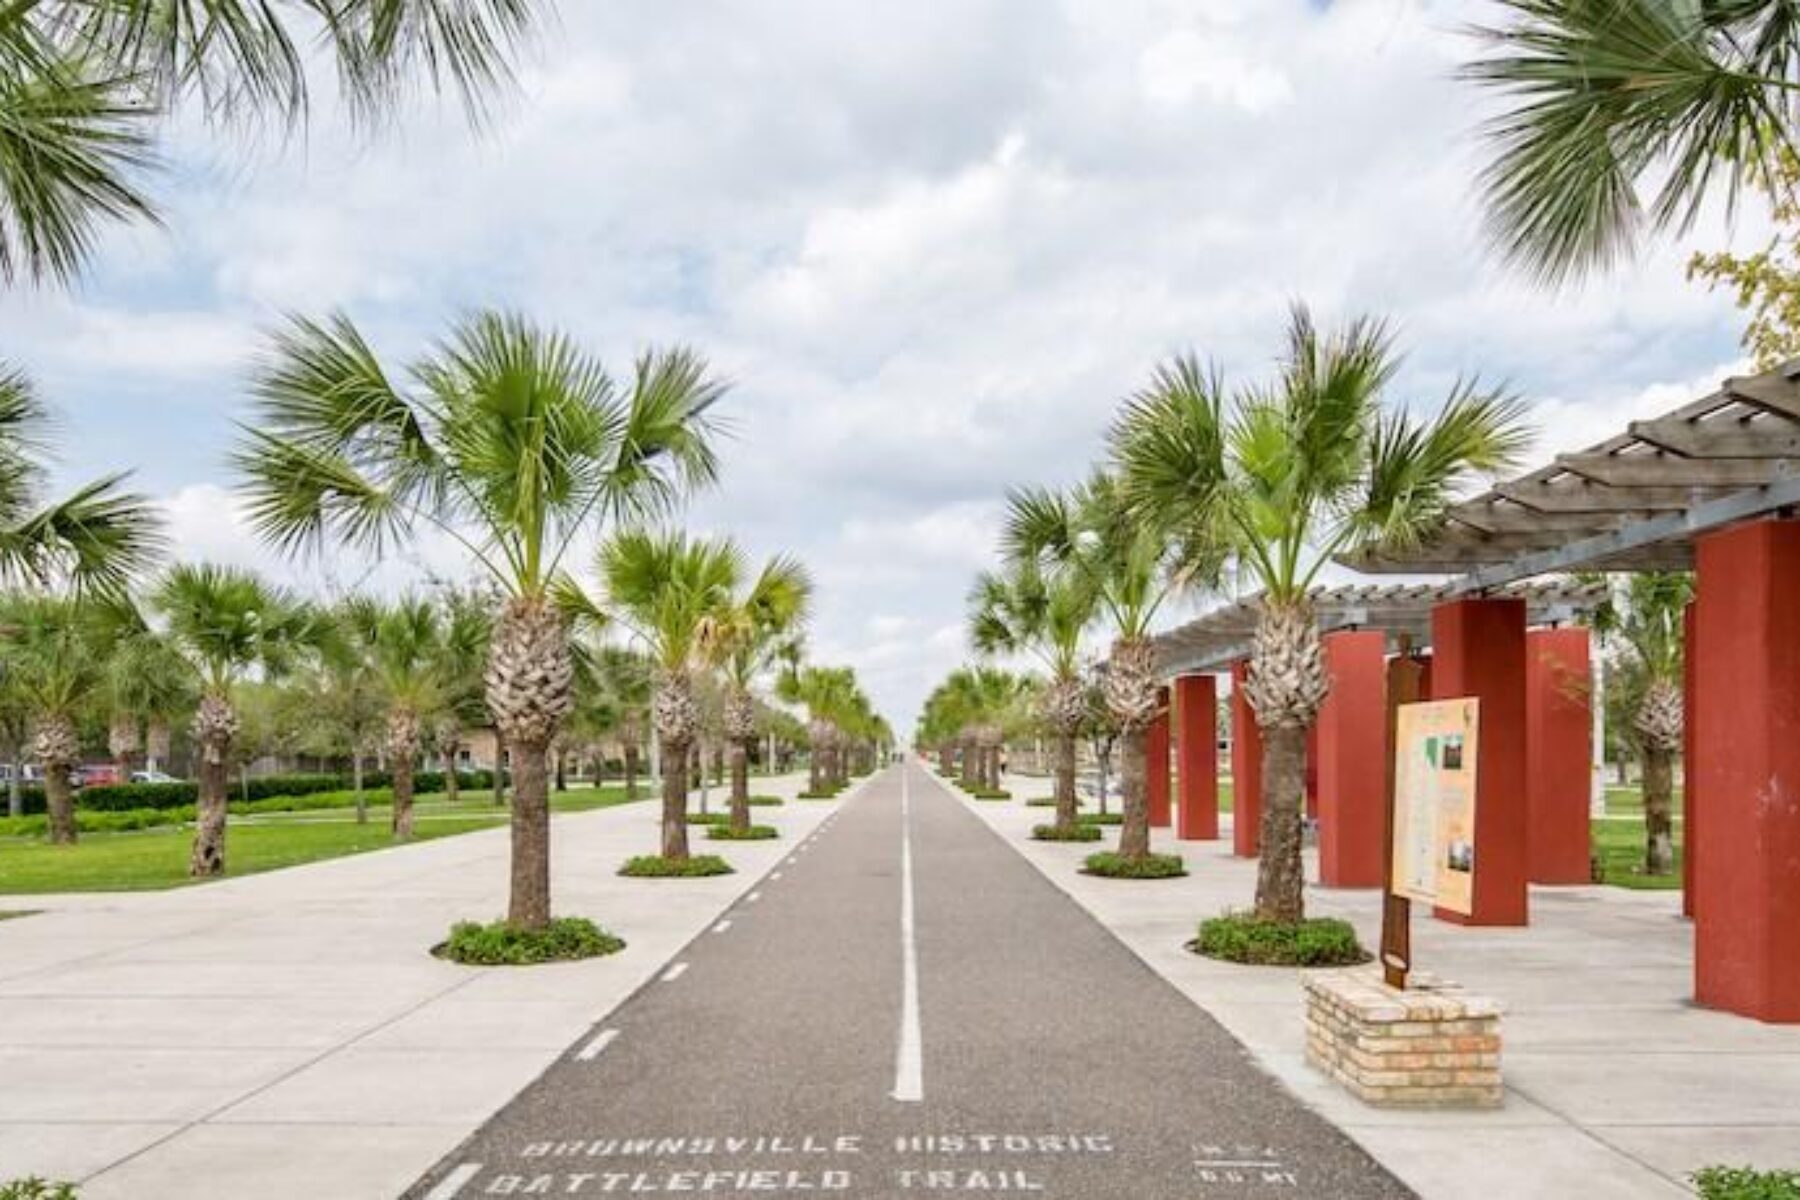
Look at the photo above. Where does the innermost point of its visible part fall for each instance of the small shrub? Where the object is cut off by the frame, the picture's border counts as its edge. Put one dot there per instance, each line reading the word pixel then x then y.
pixel 766 801
pixel 1113 865
pixel 655 866
pixel 710 818
pixel 823 794
pixel 1101 819
pixel 756 833
pixel 1075 833
pixel 1315 942
pixel 503 944
pixel 33 1188
pixel 1745 1183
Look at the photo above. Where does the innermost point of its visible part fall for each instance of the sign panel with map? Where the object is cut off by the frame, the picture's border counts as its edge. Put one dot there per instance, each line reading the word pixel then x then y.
pixel 1435 751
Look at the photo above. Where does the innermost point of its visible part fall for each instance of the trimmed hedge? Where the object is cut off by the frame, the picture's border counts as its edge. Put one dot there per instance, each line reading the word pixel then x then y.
pixel 1113 865
pixel 1315 942
pixel 123 797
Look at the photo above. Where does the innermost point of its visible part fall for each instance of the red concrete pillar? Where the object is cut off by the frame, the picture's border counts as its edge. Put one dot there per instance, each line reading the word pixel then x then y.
pixel 1690 720
pixel 1156 773
pixel 1352 760
pixel 1197 758
pixel 1559 756
pixel 1747 752
pixel 1478 649
pixel 1246 770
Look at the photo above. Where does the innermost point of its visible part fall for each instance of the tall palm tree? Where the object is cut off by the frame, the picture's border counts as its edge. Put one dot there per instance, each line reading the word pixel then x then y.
pixel 758 626
pixel 84 84
pixel 514 443
pixel 1128 565
pixel 225 622
pixel 674 594
pixel 1278 484
pixel 1646 613
pixel 1605 97
pixel 1023 611
pixel 406 644
pixel 828 694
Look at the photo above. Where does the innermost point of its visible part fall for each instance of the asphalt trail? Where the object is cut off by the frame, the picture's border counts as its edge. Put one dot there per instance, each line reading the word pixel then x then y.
pixel 1049 1059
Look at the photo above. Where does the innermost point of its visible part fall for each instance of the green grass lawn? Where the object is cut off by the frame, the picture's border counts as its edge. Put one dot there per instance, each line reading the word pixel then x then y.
pixel 1619 844
pixel 153 859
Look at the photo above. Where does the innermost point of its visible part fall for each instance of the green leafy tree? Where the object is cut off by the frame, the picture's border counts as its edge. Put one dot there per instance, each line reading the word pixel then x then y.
pixel 1023 611
pixel 225 622
pixel 85 83
pixel 1278 483
pixel 512 442
pixel 1766 284
pixel 1623 116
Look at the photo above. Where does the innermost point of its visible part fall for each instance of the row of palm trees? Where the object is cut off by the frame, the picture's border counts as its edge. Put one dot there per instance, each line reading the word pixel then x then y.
pixel 1207 489
pixel 517 445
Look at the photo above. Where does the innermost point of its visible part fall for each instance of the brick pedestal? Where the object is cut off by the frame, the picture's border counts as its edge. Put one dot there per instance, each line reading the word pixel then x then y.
pixel 1431 1046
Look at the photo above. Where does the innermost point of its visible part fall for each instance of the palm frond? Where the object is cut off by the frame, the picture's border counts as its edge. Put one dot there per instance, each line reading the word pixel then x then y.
pixel 99 539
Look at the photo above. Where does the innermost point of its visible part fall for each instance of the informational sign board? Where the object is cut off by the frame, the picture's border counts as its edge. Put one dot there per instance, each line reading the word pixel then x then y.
pixel 1436 747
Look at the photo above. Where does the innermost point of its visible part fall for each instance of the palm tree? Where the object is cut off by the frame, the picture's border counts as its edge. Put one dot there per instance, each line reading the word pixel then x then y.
pixel 224 622
pixel 674 594
pixel 406 655
pixel 468 625
pixel 1646 613
pixel 339 690
pixel 54 657
pixel 1604 96
pixel 83 84
pixel 513 443
pixel 754 635
pixel 1291 476
pixel 828 694
pixel 1090 536
pixel 147 681
pixel 1023 611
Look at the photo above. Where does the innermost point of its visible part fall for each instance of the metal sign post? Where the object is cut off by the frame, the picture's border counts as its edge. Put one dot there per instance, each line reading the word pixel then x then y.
pixel 1404 678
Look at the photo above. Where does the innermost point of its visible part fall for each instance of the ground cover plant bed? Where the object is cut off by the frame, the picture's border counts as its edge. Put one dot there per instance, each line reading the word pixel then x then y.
pixel 1743 1183
pixel 1111 865
pixel 33 1188
pixel 991 794
pixel 655 866
pixel 716 818
pixel 1101 819
pixel 766 801
pixel 1315 942
pixel 755 833
pixel 1076 833
pixel 14 914
pixel 503 944
pixel 825 795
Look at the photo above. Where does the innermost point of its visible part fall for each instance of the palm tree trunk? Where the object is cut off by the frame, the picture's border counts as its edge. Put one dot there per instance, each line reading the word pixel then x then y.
pixel 208 857
pixel 814 771
pixel 452 783
pixel 1280 881
pixel 740 787
pixel 1659 811
pixel 530 907
pixel 1065 780
pixel 500 756
pixel 562 771
pixel 1134 828
pixel 403 797
pixel 356 781
pixel 631 771
pixel 15 795
pixel 674 799
pixel 59 803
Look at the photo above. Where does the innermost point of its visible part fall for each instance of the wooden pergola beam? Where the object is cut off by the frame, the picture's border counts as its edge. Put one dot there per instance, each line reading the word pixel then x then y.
pixel 1720 437
pixel 1663 470
pixel 1572 495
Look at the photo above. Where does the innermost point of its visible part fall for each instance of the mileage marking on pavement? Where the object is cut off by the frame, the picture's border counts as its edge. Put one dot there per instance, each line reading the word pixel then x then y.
pixel 591 1051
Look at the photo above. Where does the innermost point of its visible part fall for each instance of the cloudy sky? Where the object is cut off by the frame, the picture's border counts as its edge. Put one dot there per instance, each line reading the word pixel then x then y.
pixel 931 242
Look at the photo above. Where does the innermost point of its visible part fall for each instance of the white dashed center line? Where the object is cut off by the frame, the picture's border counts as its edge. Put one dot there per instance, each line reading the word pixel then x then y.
pixel 675 972
pixel 722 926
pixel 602 1040
pixel 453 1183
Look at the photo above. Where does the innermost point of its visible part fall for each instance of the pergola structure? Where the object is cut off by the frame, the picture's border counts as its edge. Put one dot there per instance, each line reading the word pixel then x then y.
pixel 1364 627
pixel 1712 487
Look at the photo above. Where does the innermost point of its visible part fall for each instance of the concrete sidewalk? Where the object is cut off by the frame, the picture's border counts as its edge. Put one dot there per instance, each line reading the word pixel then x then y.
pixel 1618 1086
pixel 288 1034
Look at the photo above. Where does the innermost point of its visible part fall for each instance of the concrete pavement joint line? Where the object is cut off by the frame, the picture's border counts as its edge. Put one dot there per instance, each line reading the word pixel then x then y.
pixel 675 972
pixel 909 1070
pixel 591 1051
pixel 452 1184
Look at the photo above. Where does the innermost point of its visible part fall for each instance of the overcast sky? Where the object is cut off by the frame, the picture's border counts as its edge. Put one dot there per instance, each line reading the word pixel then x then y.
pixel 931 241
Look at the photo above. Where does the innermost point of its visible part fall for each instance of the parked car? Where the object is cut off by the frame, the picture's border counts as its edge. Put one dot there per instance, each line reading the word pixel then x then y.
pixel 152 777
pixel 95 775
